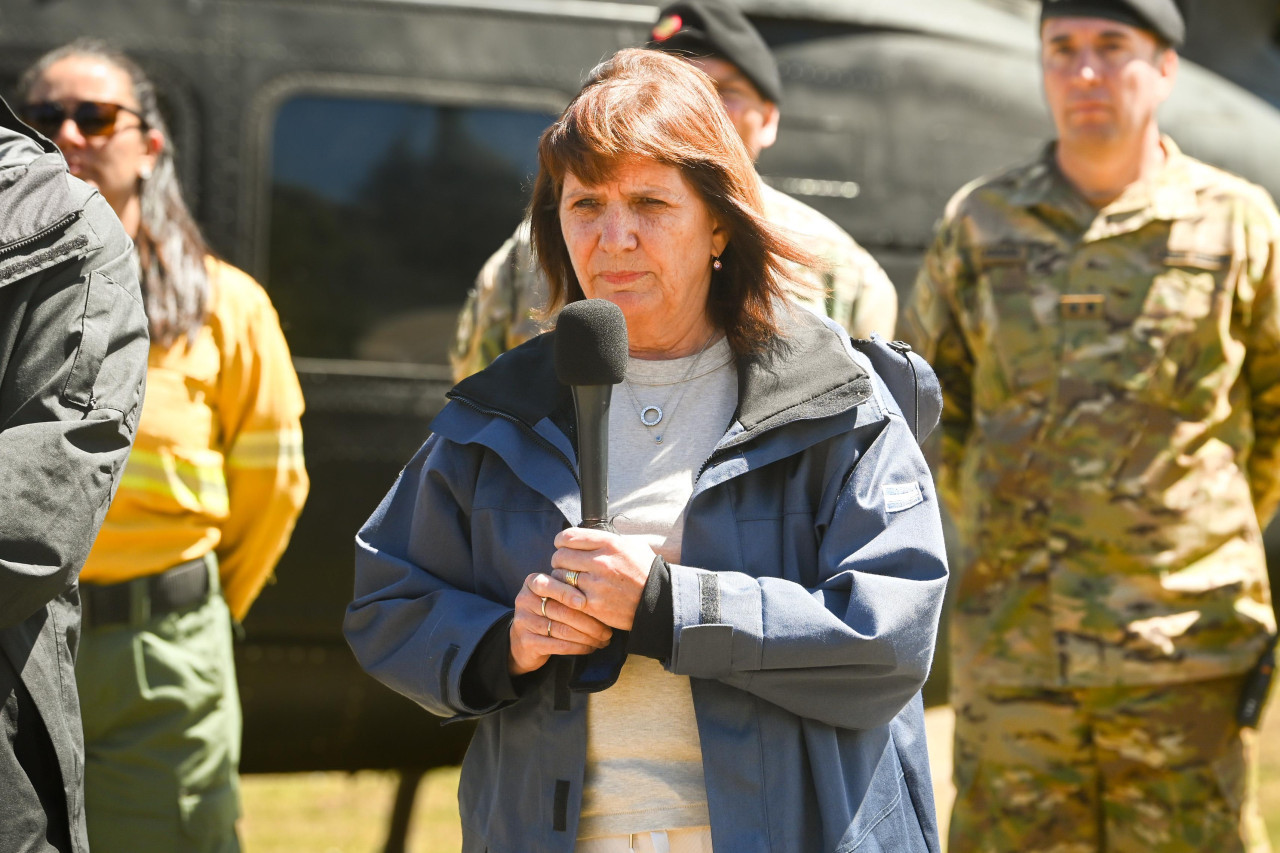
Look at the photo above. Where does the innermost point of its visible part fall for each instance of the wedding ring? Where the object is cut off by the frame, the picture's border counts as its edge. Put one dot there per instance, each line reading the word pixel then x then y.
pixel 548 627
pixel 544 605
pixel 571 578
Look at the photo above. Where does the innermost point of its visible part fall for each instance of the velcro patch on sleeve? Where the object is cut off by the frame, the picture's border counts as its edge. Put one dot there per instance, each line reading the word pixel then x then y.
pixel 900 496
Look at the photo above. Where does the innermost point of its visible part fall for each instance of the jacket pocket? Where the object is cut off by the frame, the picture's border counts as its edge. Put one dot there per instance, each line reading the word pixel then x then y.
pixel 89 386
pixel 210 815
pixel 887 820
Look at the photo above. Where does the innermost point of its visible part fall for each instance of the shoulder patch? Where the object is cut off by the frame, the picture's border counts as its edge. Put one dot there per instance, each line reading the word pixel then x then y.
pixel 900 496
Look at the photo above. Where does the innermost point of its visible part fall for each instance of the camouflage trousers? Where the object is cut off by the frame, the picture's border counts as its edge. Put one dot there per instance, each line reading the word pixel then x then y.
pixel 1151 769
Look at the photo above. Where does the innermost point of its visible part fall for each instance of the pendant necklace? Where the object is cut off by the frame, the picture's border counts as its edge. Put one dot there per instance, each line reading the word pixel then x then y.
pixel 653 415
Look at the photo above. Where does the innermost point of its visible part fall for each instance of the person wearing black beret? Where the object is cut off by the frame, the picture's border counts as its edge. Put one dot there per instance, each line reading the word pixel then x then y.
pixel 718 39
pixel 1162 18
pixel 1105 324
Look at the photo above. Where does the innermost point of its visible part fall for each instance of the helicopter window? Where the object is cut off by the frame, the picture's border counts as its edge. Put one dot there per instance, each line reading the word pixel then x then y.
pixel 382 212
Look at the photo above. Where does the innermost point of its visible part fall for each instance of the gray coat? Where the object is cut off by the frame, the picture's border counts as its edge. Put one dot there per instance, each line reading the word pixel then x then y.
pixel 73 360
pixel 805 616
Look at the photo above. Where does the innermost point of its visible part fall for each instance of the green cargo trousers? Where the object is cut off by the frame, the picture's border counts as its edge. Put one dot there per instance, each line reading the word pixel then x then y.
pixel 162 732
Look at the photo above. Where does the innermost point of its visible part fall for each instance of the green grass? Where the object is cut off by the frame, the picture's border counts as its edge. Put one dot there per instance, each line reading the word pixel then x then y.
pixel 347 813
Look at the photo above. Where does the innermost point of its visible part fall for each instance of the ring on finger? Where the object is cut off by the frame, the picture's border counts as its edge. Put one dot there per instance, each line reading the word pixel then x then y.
pixel 571 578
pixel 548 627
pixel 544 606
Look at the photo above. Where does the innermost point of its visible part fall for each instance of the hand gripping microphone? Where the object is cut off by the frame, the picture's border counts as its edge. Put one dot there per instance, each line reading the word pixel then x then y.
pixel 591 357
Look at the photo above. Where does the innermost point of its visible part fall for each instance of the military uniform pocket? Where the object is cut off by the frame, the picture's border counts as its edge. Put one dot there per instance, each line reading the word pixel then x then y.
pixel 1016 320
pixel 1178 302
pixel 1174 329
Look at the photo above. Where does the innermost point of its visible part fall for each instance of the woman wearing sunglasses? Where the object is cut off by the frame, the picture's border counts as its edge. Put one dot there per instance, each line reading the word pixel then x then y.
pixel 208 497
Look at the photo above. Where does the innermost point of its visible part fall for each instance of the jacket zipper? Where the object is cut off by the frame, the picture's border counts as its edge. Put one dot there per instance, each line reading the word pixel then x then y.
pixel 485 410
pixel 707 462
pixel 41 234
pixel 722 452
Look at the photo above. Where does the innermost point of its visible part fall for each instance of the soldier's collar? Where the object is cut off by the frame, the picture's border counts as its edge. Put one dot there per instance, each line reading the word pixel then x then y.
pixel 1043 186
pixel 1039 182
pixel 1171 195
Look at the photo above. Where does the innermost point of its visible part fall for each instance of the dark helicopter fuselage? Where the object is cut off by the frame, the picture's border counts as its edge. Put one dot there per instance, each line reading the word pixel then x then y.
pixel 362 158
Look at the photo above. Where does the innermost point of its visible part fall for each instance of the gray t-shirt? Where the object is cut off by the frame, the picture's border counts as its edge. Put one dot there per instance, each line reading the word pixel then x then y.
pixel 644 760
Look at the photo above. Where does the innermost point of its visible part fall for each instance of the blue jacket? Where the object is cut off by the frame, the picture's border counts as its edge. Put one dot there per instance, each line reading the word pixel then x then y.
pixel 805 612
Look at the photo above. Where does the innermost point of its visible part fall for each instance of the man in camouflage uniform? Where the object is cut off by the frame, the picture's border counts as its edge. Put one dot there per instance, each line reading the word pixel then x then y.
pixel 504 308
pixel 1105 325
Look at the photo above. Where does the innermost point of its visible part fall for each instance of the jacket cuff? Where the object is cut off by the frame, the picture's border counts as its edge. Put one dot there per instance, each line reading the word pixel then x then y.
pixel 486 680
pixel 654 624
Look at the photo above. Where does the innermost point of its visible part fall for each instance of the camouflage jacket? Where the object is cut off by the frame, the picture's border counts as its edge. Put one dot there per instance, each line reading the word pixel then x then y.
pixel 504 309
pixel 1109 435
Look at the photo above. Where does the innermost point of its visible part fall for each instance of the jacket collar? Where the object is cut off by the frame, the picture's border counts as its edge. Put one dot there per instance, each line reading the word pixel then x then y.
pixel 35 196
pixel 807 374
pixel 1169 196
pixel 521 384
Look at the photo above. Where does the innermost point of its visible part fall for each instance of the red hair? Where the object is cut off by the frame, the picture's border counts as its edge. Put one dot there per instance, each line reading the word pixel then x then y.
pixel 648 104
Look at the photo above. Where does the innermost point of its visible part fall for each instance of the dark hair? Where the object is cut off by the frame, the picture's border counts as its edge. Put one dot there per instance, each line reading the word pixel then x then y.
pixel 644 103
pixel 171 249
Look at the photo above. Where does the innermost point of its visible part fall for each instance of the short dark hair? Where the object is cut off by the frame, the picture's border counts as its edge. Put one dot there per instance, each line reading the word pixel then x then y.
pixel 647 104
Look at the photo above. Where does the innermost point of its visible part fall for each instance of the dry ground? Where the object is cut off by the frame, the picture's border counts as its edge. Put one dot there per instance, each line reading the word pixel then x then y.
pixel 347 813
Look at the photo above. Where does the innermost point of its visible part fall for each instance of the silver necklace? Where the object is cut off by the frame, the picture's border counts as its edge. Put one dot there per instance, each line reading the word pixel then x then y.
pixel 653 415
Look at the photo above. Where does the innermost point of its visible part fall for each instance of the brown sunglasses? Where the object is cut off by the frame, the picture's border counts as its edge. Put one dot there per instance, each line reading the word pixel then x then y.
pixel 94 118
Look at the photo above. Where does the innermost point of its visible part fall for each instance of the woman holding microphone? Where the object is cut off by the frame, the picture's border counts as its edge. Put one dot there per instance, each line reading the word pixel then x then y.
pixel 778 565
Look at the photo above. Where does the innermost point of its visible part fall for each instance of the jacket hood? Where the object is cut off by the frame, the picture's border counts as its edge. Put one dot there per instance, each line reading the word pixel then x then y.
pixel 806 373
pixel 521 383
pixel 35 194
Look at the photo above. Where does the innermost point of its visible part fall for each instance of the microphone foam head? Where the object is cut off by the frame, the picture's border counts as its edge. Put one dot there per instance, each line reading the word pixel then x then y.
pixel 591 343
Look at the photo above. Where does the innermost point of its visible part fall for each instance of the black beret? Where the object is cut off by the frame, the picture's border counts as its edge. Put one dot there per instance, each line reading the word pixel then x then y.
pixel 716 28
pixel 1162 17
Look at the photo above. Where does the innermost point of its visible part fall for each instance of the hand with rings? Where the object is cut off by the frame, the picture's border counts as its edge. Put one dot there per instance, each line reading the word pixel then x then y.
pixel 550 621
pixel 610 569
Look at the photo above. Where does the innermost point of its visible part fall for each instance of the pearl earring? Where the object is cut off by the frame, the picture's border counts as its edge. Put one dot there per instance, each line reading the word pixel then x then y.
pixel 715 263
pixel 144 173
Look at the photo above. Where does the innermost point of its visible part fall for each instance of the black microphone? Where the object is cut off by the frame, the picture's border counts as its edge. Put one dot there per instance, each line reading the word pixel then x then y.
pixel 591 357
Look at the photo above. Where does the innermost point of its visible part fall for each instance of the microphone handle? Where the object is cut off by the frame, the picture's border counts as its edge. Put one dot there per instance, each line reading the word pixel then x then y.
pixel 600 669
pixel 591 402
